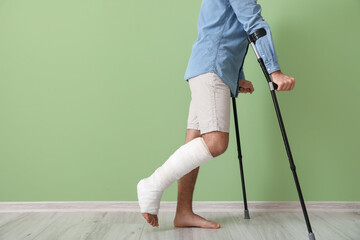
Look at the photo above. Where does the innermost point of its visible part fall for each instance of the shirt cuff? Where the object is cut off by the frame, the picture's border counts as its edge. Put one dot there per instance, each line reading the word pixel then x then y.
pixel 272 66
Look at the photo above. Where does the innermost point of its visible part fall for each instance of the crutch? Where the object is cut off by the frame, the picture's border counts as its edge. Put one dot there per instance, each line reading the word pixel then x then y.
pixel 246 210
pixel 252 39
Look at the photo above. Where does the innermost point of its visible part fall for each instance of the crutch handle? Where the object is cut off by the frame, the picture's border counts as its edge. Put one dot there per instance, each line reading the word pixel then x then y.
pixel 275 85
pixel 252 38
pixel 256 35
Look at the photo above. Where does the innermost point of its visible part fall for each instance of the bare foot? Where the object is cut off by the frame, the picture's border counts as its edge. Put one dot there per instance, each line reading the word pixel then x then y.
pixel 193 220
pixel 151 219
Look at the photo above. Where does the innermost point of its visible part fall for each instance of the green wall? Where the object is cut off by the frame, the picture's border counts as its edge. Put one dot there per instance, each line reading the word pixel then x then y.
pixel 92 99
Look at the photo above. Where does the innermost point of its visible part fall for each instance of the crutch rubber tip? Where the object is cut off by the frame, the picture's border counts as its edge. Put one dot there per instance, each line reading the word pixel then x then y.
pixel 246 214
pixel 311 236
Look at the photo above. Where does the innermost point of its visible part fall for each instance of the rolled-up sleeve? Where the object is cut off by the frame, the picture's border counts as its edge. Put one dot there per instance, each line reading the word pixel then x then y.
pixel 248 12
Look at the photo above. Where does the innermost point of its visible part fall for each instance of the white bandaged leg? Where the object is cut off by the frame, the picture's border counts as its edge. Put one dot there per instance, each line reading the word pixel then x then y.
pixel 188 157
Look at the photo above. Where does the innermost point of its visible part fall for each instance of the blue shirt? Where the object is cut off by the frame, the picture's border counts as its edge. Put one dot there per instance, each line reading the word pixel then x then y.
pixel 221 46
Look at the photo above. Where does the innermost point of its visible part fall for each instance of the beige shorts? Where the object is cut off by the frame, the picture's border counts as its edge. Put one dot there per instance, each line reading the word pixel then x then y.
pixel 210 104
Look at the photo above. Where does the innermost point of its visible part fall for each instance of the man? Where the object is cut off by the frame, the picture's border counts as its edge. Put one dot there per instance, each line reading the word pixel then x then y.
pixel 215 74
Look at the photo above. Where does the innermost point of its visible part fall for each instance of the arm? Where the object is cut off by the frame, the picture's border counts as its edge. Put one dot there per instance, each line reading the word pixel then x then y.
pixel 248 12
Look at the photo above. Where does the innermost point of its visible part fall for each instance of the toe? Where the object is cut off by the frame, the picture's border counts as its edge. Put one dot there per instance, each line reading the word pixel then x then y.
pixel 212 224
pixel 156 221
pixel 145 215
pixel 149 218
pixel 152 220
pixel 216 225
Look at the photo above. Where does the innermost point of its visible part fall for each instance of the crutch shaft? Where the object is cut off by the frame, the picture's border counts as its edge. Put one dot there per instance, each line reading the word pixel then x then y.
pixel 252 39
pixel 246 211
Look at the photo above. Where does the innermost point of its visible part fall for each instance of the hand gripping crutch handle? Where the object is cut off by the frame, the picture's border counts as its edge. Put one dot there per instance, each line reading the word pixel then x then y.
pixel 252 38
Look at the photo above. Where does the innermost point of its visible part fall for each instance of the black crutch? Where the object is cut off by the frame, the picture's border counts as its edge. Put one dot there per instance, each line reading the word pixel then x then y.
pixel 252 39
pixel 246 211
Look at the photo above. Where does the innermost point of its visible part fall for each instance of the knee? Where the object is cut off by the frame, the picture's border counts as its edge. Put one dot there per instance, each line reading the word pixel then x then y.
pixel 218 149
pixel 217 142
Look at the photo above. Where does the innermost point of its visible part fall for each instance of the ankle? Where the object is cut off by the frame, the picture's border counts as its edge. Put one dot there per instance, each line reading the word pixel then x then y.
pixel 184 211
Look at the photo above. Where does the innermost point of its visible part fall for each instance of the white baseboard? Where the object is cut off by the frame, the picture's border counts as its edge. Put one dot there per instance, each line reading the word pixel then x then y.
pixel 199 206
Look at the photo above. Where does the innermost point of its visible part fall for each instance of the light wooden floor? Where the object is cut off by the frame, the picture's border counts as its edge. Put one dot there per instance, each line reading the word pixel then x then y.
pixel 131 225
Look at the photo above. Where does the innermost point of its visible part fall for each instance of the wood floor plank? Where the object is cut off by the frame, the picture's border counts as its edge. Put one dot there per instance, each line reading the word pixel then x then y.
pixel 347 223
pixel 258 227
pixel 6 218
pixel 121 225
pixel 294 225
pixel 78 226
pixel 26 226
pixel 70 226
pixel 283 230
pixel 131 225
pixel 321 228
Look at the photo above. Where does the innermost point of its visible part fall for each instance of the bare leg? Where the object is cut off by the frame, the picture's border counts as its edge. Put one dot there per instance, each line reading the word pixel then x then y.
pixel 185 217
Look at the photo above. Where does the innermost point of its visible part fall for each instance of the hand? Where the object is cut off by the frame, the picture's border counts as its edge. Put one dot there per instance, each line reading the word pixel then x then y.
pixel 284 82
pixel 245 86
